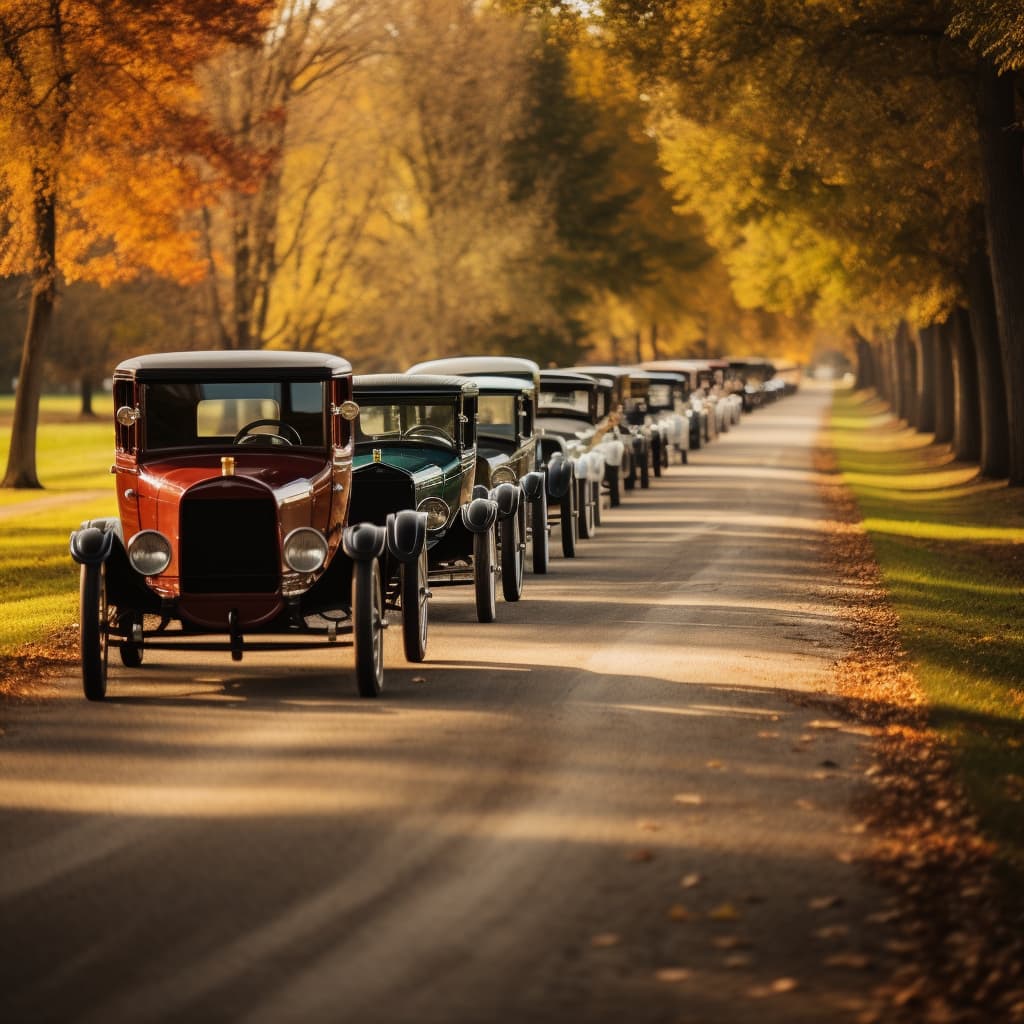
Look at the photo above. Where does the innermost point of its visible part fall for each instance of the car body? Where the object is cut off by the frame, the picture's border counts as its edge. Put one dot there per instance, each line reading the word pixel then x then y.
pixel 233 475
pixel 417 448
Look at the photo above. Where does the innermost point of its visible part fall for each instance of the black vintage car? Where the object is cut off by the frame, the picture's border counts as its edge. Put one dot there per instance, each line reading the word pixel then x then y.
pixel 232 474
pixel 416 448
pixel 559 481
pixel 668 404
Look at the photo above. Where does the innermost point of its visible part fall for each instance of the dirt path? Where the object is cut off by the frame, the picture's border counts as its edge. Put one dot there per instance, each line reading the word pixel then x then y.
pixel 621 802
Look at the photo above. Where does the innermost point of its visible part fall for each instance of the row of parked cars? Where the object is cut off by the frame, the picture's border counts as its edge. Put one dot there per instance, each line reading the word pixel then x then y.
pixel 274 500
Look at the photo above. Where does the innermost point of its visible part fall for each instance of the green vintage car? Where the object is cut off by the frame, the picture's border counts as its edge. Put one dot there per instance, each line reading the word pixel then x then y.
pixel 416 448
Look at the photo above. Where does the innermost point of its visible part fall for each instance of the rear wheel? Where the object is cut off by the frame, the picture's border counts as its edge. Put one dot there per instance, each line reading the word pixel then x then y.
pixel 598 495
pixel 614 497
pixel 586 510
pixel 367 628
pixel 415 596
pixel 656 455
pixel 130 651
pixel 94 630
pixel 483 575
pixel 645 471
pixel 539 542
pixel 513 559
pixel 569 522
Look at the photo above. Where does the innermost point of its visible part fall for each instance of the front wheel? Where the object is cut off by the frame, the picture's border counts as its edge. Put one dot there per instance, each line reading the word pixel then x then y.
pixel 367 628
pixel 539 540
pixel 415 597
pixel 483 575
pixel 513 559
pixel 94 630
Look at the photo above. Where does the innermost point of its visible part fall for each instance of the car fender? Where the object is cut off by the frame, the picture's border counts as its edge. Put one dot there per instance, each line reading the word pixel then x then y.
pixel 479 515
pixel 533 485
pixel 364 541
pixel 506 497
pixel 94 540
pixel 559 477
pixel 406 534
pixel 591 467
pixel 612 450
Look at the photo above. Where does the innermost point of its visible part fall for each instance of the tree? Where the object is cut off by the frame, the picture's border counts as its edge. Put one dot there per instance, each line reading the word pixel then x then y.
pixel 99 121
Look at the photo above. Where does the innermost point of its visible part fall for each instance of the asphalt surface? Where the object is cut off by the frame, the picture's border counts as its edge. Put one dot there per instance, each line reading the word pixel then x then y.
pixel 616 803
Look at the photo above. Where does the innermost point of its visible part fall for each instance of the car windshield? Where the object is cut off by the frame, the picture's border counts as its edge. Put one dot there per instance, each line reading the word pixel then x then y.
pixel 659 396
pixel 573 401
pixel 391 419
pixel 214 413
pixel 496 414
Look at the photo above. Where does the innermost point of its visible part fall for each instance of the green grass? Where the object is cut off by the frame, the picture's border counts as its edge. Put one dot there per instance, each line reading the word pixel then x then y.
pixel 38 580
pixel 951 550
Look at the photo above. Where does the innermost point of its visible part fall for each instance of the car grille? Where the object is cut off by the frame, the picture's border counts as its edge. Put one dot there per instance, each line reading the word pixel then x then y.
pixel 376 491
pixel 229 546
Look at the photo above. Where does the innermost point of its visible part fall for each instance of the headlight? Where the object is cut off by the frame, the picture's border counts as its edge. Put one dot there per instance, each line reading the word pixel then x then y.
pixel 305 549
pixel 503 475
pixel 149 552
pixel 437 512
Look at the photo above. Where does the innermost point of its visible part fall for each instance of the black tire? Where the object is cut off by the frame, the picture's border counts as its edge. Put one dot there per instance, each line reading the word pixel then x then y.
pixel 645 472
pixel 614 495
pixel 585 514
pixel 598 495
pixel 540 541
pixel 415 598
pixel 367 628
pixel 513 559
pixel 94 629
pixel 131 654
pixel 656 454
pixel 483 576
pixel 629 472
pixel 570 522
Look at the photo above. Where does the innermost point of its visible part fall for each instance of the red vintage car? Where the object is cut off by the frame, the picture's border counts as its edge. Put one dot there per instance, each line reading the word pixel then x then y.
pixel 233 473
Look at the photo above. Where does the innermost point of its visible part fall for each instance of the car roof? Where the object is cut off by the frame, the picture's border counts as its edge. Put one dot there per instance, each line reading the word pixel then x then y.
pixel 566 377
pixel 500 366
pixel 663 375
pixel 251 364
pixel 415 383
pixel 503 385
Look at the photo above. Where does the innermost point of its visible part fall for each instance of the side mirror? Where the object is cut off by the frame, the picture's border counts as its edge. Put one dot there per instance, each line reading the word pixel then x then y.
pixel 347 410
pixel 127 416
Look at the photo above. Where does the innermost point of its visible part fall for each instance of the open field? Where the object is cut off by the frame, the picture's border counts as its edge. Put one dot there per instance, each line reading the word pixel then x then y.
pixel 38 579
pixel 951 549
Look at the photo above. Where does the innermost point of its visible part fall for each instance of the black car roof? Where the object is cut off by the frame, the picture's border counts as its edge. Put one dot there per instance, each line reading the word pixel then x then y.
pixel 415 383
pixel 566 377
pixel 244 364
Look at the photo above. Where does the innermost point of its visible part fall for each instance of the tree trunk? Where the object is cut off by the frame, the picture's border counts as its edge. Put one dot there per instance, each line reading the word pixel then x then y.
pixel 994 453
pixel 866 377
pixel 924 392
pixel 85 392
pixel 1003 176
pixel 21 460
pixel 942 381
pixel 906 374
pixel 655 353
pixel 883 365
pixel 966 404
pixel 638 342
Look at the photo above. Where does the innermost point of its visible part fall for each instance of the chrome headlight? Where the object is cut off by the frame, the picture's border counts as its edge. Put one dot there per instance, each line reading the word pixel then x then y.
pixel 149 552
pixel 503 475
pixel 305 549
pixel 437 511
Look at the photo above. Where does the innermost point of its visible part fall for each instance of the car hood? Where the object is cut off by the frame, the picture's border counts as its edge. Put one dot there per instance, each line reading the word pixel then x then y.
pixel 426 465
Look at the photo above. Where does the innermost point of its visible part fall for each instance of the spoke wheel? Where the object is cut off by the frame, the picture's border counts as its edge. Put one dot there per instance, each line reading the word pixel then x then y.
pixel 513 559
pixel 483 575
pixel 570 522
pixel 539 540
pixel 415 598
pixel 585 509
pixel 94 630
pixel 367 628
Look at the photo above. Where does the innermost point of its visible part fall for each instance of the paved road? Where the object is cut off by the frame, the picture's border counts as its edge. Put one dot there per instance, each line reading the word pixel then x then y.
pixel 614 804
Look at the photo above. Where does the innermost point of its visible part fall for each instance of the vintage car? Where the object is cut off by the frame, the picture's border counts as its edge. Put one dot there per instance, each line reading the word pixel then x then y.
pixel 503 439
pixel 700 375
pixel 631 429
pixel 233 473
pixel 571 424
pixel 416 448
pixel 668 403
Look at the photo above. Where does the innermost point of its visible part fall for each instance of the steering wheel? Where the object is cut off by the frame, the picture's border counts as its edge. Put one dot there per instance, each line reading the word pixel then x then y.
pixel 431 431
pixel 244 437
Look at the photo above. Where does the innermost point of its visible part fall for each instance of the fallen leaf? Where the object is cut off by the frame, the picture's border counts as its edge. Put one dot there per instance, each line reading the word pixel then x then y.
pixel 806 805
pixel 714 765
pixel 833 931
pixel 690 881
pixel 724 912
pixel 649 826
pixel 419 679
pixel 737 960
pixel 730 942
pixel 639 856
pixel 856 961
pixel 605 940
pixel 825 902
pixel 672 975
pixel 677 912
pixel 816 724
pixel 784 985
pixel 688 798
pixel 768 734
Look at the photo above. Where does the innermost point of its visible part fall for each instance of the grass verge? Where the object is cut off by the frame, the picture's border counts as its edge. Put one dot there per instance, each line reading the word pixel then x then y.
pixel 950 547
